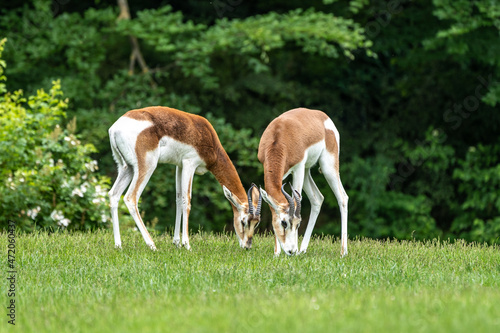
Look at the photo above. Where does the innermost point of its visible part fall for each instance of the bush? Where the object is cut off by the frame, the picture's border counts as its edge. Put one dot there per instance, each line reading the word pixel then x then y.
pixel 377 211
pixel 479 176
pixel 47 178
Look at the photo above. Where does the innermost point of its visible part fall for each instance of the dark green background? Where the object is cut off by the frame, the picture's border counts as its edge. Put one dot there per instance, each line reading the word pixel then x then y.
pixel 419 121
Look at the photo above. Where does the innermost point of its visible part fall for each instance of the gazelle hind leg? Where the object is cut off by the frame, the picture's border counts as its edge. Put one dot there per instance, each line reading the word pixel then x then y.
pixel 316 199
pixel 187 174
pixel 329 165
pixel 122 181
pixel 139 181
pixel 178 206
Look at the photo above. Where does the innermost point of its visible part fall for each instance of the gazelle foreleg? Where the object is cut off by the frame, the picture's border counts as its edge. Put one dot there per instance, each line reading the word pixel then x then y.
pixel 178 206
pixel 139 181
pixel 316 199
pixel 188 169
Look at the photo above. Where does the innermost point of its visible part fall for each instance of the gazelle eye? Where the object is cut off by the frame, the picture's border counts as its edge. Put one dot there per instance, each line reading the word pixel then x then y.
pixel 284 224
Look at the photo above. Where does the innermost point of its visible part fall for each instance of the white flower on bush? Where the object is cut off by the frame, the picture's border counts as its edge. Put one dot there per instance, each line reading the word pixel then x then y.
pixel 98 190
pixel 99 195
pixel 33 212
pixel 71 139
pixel 91 166
pixel 64 222
pixel 77 192
pixel 80 191
pixel 10 183
pixel 58 216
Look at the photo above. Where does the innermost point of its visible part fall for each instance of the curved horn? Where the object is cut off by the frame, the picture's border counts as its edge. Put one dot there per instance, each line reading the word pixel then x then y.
pixel 298 198
pixel 250 204
pixel 289 199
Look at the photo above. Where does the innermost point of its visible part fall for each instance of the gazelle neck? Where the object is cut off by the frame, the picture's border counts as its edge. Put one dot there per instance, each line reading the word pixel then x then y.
pixel 225 173
pixel 274 170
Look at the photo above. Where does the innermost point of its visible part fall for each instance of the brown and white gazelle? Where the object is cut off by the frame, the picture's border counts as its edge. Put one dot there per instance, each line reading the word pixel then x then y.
pixel 292 144
pixel 142 138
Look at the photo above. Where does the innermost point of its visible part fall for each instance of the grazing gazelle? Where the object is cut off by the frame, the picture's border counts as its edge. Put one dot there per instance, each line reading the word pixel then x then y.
pixel 292 144
pixel 141 139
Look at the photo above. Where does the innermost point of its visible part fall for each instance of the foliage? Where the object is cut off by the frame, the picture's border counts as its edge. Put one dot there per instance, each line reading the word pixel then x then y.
pixel 380 213
pixel 47 178
pixel 472 24
pixel 242 63
pixel 194 47
pixel 409 286
pixel 479 177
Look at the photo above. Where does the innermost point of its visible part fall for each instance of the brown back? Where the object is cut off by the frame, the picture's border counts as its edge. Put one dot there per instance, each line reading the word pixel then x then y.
pixel 181 126
pixel 190 129
pixel 285 140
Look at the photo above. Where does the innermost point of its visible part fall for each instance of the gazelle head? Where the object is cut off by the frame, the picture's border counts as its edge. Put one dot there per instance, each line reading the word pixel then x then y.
pixel 247 217
pixel 286 219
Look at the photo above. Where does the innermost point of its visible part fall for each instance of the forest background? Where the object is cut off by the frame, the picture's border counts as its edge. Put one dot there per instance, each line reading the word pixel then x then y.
pixel 412 86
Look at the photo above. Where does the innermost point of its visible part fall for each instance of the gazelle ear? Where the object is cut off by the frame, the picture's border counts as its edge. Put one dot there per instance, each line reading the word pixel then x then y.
pixel 267 198
pixel 297 196
pixel 297 199
pixel 232 199
pixel 255 195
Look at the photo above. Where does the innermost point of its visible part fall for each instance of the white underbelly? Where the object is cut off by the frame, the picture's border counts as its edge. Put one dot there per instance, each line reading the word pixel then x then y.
pixel 177 153
pixel 313 153
pixel 311 157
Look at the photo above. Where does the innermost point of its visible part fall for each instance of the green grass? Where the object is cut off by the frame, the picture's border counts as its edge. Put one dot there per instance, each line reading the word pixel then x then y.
pixel 80 283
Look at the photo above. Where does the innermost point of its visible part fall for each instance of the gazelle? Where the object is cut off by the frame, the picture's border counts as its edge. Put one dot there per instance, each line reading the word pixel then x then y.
pixel 292 144
pixel 142 138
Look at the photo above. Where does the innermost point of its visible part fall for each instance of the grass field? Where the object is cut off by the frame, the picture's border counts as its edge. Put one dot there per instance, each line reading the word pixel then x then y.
pixel 80 283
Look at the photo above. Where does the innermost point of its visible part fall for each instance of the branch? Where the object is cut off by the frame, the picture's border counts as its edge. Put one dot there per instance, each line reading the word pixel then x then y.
pixel 136 51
